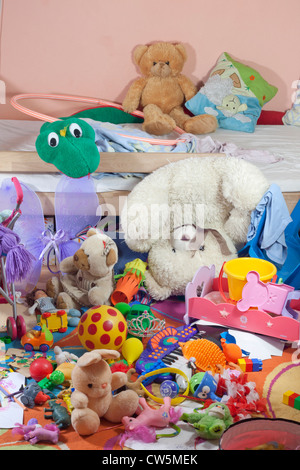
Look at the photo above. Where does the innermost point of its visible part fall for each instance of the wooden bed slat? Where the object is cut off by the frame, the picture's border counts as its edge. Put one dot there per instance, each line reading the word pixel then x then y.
pixel 291 200
pixel 113 201
pixel 114 162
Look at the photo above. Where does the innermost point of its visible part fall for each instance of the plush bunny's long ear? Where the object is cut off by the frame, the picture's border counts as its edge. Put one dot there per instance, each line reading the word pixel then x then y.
pixel 93 357
pixel 89 358
pixel 109 353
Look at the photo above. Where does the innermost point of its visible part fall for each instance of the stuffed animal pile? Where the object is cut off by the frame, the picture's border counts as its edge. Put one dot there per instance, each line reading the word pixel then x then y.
pixel 186 215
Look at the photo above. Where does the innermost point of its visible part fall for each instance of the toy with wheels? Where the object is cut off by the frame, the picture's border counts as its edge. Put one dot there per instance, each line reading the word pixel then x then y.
pixel 15 260
pixel 54 321
pixel 38 339
pixel 16 327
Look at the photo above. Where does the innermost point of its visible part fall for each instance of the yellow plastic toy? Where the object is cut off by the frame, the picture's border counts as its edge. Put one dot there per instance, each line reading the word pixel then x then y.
pixel 237 270
pixel 167 370
pixel 102 327
pixel 57 321
pixel 132 349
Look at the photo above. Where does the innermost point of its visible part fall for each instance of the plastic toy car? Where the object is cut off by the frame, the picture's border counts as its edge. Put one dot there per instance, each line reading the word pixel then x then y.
pixel 57 321
pixel 39 339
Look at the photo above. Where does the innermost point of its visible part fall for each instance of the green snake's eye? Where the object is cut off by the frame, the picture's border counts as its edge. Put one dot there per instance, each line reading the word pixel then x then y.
pixel 75 130
pixel 53 139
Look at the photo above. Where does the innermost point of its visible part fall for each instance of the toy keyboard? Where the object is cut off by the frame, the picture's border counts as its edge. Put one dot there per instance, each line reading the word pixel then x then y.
pixel 163 349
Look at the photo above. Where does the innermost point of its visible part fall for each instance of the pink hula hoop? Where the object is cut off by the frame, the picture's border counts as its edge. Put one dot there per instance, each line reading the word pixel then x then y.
pixel 95 101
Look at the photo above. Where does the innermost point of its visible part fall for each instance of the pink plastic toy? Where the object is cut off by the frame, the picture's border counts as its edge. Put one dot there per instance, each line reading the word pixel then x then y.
pixel 269 297
pixel 140 427
pixel 35 433
pixel 201 304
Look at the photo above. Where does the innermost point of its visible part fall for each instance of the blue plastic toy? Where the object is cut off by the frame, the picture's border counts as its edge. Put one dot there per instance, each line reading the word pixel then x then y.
pixel 207 388
pixel 168 388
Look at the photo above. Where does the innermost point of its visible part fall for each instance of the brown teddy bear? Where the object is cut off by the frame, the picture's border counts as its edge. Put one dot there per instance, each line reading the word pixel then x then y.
pixel 92 398
pixel 88 277
pixel 163 90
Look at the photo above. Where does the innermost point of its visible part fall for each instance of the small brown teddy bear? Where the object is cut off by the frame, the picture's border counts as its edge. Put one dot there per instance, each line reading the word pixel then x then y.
pixel 92 399
pixel 163 90
pixel 88 277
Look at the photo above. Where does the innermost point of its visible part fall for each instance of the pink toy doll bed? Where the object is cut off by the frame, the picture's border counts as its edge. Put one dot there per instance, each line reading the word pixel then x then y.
pixel 204 302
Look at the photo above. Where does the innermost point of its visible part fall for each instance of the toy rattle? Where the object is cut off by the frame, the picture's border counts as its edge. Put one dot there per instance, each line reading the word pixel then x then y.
pixel 171 370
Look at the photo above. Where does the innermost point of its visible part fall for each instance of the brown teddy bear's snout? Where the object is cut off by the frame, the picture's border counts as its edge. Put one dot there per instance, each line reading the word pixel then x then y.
pixel 81 260
pixel 161 69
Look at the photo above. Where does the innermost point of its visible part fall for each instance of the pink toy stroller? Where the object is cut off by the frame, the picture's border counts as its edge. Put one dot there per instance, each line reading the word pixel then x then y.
pixel 15 261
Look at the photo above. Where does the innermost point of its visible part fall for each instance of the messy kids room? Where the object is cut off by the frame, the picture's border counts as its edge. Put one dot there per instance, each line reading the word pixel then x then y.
pixel 149 226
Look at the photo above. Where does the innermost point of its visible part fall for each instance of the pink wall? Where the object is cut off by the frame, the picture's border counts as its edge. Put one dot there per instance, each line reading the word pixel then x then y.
pixel 84 47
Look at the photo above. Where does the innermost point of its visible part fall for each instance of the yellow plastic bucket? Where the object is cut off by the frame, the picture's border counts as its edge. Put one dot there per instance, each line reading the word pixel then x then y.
pixel 237 270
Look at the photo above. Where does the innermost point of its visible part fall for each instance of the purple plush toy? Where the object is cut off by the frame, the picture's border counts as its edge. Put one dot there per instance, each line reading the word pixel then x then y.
pixel 18 259
pixel 35 433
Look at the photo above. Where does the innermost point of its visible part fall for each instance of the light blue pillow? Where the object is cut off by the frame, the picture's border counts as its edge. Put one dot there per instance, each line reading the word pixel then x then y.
pixel 237 112
pixel 234 94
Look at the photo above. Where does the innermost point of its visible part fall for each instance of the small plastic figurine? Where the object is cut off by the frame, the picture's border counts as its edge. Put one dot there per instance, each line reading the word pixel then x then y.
pixel 33 395
pixel 58 413
pixel 35 433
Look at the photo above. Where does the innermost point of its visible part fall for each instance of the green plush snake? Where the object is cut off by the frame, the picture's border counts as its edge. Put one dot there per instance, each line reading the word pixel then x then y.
pixel 70 146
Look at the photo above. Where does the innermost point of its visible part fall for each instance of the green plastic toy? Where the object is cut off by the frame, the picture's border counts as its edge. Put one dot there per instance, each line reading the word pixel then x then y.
pixel 69 144
pixel 56 378
pixel 140 320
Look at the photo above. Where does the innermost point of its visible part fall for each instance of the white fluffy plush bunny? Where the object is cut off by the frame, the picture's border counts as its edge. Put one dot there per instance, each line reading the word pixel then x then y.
pixel 191 213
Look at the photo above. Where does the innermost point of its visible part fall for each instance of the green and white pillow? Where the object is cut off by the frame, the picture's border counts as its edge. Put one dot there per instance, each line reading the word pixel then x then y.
pixel 234 93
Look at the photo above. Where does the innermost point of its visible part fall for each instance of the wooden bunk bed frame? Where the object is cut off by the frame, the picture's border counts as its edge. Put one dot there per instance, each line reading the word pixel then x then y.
pixel 30 162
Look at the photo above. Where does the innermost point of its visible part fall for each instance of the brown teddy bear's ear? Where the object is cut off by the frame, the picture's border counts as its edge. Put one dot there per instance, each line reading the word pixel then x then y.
pixel 111 257
pixel 138 53
pixel 181 49
pixel 91 232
